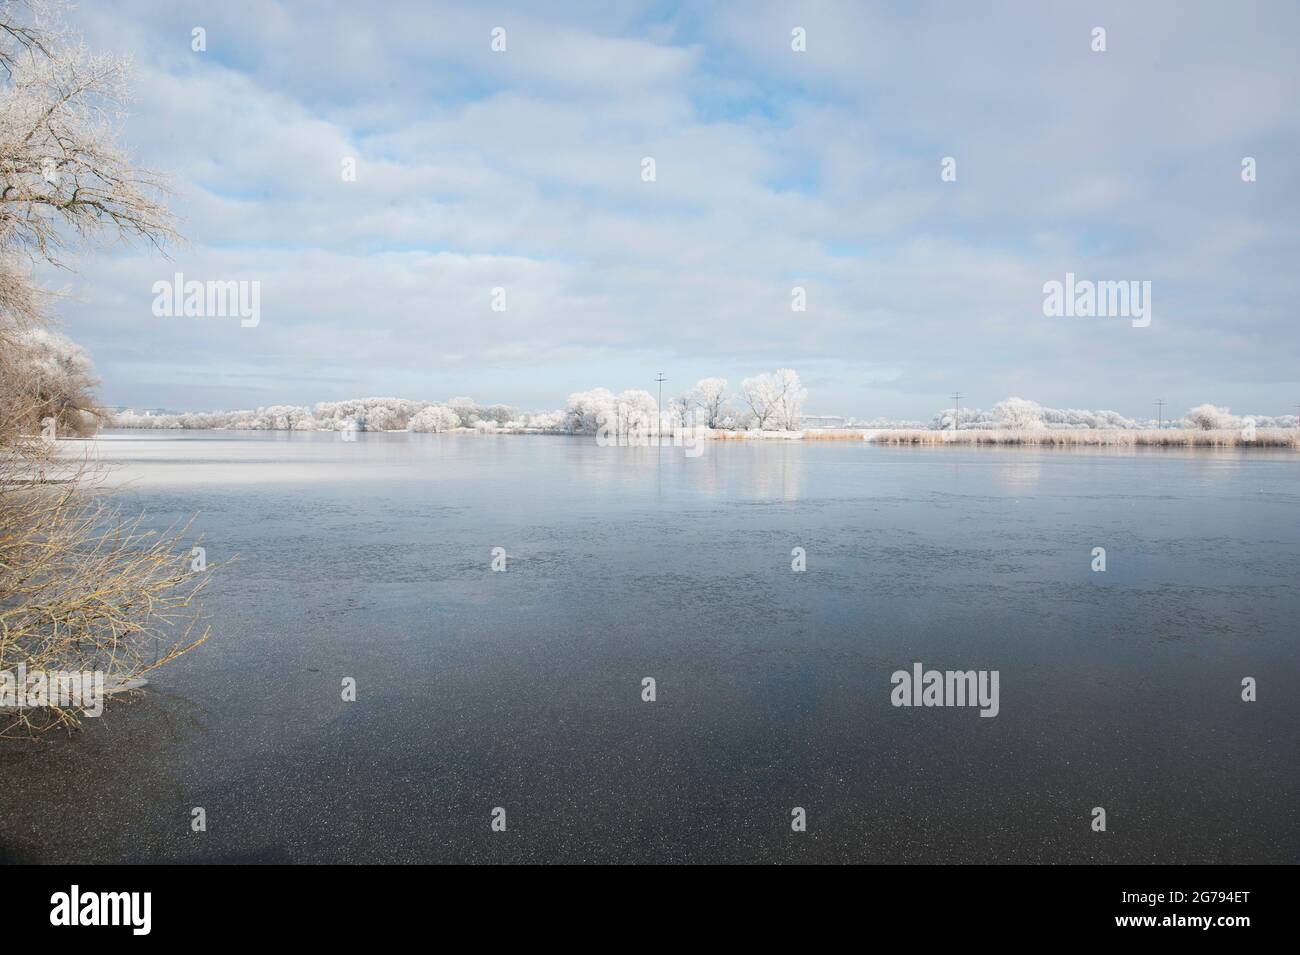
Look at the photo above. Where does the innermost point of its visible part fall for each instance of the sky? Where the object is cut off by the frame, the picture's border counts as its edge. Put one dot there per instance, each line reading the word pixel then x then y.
pixel 774 169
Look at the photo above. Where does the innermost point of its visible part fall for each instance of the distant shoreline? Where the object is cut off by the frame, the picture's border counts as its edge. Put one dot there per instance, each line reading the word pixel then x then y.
pixel 1039 437
pixel 1097 437
pixel 910 437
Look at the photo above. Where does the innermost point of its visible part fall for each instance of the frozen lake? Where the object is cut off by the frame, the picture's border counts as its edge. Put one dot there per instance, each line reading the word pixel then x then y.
pixel 522 689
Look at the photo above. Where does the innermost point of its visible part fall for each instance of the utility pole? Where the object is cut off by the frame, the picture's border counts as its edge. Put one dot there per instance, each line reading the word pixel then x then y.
pixel 659 409
pixel 1160 412
pixel 956 413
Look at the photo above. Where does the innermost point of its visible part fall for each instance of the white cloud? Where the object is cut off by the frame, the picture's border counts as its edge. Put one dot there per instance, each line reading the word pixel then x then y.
pixel 478 170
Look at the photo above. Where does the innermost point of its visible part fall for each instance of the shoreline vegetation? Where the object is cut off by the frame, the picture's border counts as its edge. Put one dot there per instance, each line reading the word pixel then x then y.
pixel 91 598
pixel 771 409
pixel 1098 437
pixel 1041 438
pixel 1176 437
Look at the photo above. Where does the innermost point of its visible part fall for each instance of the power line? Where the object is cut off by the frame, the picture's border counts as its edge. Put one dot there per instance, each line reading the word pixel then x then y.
pixel 659 408
pixel 1160 412
pixel 956 413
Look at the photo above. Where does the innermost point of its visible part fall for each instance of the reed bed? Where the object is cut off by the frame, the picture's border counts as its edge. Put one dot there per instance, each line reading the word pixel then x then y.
pixel 720 435
pixel 837 434
pixel 1043 437
pixel 1095 437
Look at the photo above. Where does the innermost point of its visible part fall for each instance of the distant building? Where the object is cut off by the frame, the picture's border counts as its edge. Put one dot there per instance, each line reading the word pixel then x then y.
pixel 813 421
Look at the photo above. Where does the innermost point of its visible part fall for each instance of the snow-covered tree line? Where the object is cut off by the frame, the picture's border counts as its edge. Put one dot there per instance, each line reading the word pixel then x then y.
pixel 1020 414
pixel 361 414
pixel 1210 417
pixel 767 402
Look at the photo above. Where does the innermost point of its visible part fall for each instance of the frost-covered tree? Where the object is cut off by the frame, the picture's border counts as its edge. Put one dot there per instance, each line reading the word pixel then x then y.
pixel 81 589
pixel 710 396
pixel 705 403
pixel 471 413
pixel 52 377
pixel 775 399
pixel 587 411
pixel 635 411
pixel 1003 415
pixel 1274 421
pixel 368 414
pixel 1018 414
pixel 759 394
pixel 680 408
pixel 64 180
pixel 536 421
pixel 63 172
pixel 280 418
pixel 1076 418
pixel 1210 418
pixel 735 421
pixel 790 401
pixel 497 414
pixel 381 418
pixel 436 418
